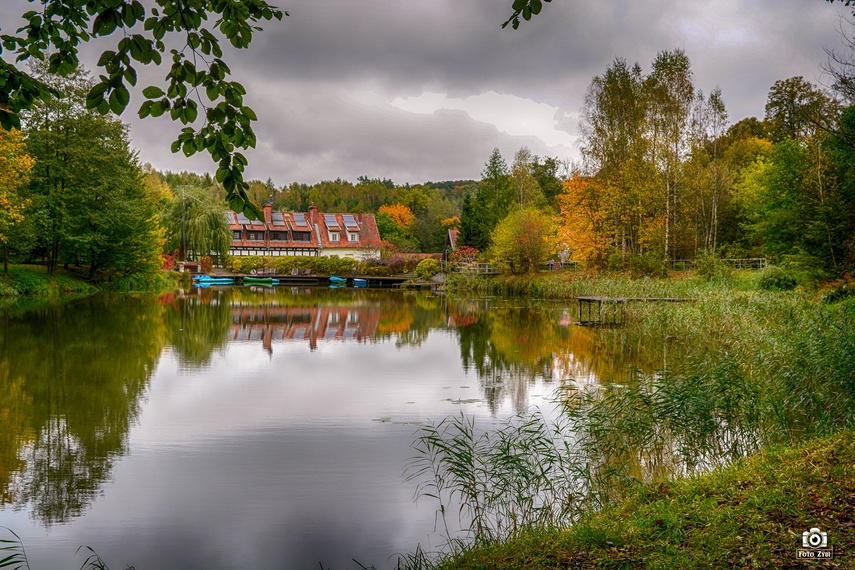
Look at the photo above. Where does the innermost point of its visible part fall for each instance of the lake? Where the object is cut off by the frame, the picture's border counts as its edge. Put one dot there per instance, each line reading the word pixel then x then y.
pixel 253 428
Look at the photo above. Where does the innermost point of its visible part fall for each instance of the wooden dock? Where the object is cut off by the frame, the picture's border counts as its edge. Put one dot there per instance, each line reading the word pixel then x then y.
pixel 611 311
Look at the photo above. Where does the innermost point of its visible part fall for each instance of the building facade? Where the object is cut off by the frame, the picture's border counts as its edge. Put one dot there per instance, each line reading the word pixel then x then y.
pixel 309 233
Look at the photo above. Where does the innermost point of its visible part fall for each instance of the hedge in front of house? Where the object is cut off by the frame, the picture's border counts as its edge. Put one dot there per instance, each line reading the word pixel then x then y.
pixel 284 265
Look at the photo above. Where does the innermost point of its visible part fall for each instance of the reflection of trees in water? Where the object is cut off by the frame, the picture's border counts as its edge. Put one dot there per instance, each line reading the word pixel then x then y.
pixel 509 349
pixel 73 379
pixel 410 317
pixel 14 405
pixel 197 327
pixel 593 356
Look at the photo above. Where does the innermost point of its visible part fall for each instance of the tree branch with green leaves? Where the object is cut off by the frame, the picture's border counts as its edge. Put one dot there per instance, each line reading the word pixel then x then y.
pixel 525 9
pixel 198 78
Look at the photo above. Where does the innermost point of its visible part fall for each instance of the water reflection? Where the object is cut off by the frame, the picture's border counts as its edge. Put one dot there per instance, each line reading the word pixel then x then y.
pixel 228 405
pixel 71 385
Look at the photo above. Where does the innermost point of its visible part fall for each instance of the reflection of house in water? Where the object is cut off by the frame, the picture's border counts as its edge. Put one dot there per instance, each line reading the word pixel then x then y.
pixel 311 324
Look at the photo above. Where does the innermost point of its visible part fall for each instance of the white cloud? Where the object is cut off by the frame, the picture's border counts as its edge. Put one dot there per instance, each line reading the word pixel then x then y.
pixel 512 115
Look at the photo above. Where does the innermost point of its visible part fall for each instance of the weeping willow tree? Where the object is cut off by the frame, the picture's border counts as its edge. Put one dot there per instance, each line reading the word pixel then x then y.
pixel 196 224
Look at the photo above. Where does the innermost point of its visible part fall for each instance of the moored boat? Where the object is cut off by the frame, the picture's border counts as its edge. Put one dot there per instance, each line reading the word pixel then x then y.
pixel 269 281
pixel 211 280
pixel 358 282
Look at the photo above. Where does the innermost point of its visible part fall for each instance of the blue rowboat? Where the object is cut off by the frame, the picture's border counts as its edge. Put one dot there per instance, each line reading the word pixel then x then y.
pixel 209 280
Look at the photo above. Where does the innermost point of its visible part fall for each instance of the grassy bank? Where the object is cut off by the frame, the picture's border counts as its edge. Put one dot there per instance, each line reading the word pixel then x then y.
pixel 34 281
pixel 749 515
pixel 32 284
pixel 569 284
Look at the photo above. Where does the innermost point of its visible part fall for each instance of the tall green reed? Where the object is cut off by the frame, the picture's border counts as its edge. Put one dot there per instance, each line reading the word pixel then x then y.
pixel 504 481
pixel 14 557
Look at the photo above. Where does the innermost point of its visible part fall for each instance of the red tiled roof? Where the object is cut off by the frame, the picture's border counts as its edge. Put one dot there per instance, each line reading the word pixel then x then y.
pixel 366 225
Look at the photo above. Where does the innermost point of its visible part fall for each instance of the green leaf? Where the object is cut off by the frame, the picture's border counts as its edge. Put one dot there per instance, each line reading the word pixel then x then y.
pixel 190 114
pixel 94 102
pixel 250 114
pixel 536 6
pixel 106 57
pixel 518 5
pixel 153 92
pixel 116 105
pixel 131 75
pixel 123 96
pixel 212 90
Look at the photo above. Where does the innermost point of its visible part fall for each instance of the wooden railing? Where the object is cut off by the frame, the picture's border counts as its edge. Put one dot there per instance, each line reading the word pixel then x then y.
pixel 735 263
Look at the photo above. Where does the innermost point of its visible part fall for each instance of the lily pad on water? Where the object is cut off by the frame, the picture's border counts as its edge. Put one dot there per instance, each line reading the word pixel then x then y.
pixel 462 401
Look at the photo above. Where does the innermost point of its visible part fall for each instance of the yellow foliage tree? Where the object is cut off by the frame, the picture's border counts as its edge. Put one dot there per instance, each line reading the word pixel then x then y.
pixel 452 223
pixel 401 214
pixel 15 168
pixel 581 221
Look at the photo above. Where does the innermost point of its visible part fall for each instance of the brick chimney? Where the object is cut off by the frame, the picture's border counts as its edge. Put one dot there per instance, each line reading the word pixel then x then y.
pixel 313 213
pixel 268 211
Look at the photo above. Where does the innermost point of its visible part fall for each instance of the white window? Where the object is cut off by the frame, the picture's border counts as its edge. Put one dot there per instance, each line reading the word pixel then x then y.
pixel 334 236
pixel 352 236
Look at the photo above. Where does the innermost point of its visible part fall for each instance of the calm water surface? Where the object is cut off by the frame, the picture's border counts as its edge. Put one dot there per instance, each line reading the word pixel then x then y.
pixel 256 429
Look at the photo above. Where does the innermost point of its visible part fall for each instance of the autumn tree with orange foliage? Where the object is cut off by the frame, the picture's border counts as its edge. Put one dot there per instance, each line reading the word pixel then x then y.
pixel 401 214
pixel 581 221
pixel 15 168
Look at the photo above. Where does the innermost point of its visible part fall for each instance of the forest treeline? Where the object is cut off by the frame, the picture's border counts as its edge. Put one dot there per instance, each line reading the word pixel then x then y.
pixel 664 176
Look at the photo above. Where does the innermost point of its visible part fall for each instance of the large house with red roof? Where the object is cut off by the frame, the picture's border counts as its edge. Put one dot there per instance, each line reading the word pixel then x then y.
pixel 304 233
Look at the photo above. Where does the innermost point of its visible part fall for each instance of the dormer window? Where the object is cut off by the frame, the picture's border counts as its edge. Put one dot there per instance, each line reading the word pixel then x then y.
pixel 352 236
pixel 334 236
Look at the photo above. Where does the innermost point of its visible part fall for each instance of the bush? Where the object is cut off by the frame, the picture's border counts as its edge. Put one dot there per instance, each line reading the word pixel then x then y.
pixel 710 266
pixel 427 268
pixel 521 242
pixel 615 261
pixel 646 265
pixel 284 265
pixel 207 264
pixel 777 279
pixel 839 293
pixel 463 254
pixel 168 262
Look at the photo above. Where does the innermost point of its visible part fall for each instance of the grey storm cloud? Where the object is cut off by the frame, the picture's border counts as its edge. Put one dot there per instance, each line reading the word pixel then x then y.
pixel 324 80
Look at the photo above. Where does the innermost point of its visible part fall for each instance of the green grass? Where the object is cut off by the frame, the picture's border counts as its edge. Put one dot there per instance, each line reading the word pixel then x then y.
pixel 33 284
pixel 33 281
pixel 749 515
pixel 570 284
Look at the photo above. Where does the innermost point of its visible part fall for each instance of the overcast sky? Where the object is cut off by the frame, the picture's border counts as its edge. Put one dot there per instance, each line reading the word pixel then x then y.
pixel 418 90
